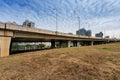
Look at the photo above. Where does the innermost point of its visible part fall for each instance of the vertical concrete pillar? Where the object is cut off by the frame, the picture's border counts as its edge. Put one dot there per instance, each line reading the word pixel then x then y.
pixel 53 44
pixel 5 46
pixel 78 43
pixel 69 42
pixel 92 43
pixel 74 43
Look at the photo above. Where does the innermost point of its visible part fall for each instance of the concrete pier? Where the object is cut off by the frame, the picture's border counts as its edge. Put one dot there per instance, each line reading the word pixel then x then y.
pixel 64 44
pixel 5 46
pixel 53 44
pixel 68 44
pixel 74 43
pixel 92 43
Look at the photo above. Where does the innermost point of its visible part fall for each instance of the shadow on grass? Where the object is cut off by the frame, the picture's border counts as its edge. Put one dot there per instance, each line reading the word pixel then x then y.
pixel 23 51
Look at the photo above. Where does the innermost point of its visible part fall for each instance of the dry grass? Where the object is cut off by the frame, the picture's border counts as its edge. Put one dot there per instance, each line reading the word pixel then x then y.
pixel 81 63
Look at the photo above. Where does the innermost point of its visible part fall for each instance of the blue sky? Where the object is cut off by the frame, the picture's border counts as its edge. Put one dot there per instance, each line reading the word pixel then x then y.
pixel 97 15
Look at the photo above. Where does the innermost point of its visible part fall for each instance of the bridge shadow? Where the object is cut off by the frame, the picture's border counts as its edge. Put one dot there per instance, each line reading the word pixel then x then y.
pixel 24 51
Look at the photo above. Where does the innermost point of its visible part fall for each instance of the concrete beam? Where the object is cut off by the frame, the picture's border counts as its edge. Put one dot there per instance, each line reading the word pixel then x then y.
pixel 6 33
pixel 5 46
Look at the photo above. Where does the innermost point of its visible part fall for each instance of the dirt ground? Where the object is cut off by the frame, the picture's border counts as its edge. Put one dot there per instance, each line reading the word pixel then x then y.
pixel 77 63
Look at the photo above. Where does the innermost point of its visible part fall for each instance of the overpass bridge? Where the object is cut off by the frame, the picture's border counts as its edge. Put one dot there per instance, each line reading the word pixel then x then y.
pixel 17 33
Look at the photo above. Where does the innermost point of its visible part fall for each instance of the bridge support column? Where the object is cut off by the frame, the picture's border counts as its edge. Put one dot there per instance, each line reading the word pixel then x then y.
pixel 53 44
pixel 78 43
pixel 92 43
pixel 5 46
pixel 64 44
pixel 68 43
pixel 75 43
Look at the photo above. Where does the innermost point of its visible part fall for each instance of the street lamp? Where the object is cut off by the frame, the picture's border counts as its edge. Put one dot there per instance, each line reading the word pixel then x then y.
pixel 56 17
pixel 104 32
pixel 78 23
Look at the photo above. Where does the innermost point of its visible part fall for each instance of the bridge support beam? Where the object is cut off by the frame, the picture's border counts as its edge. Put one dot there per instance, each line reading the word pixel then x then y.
pixel 5 46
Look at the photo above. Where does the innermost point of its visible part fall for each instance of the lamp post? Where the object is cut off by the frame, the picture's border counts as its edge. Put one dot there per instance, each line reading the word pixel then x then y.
pixel 78 23
pixel 56 17
pixel 104 28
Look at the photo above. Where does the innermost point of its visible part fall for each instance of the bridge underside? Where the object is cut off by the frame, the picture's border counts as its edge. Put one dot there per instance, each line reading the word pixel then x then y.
pixel 61 41
pixel 5 42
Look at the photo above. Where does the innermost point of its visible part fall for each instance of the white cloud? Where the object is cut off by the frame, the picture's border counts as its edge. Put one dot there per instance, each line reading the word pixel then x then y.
pixel 102 15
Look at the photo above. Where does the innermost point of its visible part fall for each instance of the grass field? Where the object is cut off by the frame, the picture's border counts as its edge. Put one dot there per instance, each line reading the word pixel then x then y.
pixel 78 63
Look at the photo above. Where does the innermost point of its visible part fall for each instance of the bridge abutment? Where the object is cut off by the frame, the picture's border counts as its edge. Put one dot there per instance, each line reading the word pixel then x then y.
pixel 5 46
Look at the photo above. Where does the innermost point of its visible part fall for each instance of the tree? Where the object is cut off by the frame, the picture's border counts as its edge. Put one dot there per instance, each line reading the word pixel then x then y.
pixel 15 47
pixel 28 46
